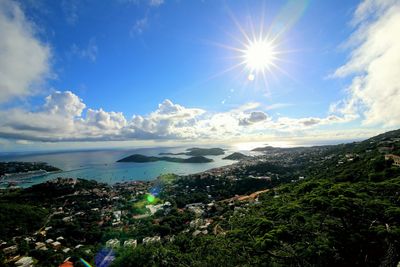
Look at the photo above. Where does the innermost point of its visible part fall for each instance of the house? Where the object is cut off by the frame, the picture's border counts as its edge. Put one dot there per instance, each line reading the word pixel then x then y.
pixel 24 262
pixel 149 240
pixel 67 219
pixel 117 215
pixel 10 250
pixel 113 243
pixel 56 245
pixel 196 233
pixel 130 243
pixel 395 158
pixel 66 250
pixel 196 223
pixel 40 245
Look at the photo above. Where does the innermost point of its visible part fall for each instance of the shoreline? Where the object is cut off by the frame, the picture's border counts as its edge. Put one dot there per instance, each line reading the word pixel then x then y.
pixel 4 185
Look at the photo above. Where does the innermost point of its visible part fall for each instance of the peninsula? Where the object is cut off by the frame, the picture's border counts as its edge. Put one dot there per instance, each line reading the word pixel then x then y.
pixel 142 158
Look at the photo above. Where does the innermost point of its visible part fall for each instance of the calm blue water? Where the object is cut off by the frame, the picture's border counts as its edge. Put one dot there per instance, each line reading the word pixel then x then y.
pixel 101 165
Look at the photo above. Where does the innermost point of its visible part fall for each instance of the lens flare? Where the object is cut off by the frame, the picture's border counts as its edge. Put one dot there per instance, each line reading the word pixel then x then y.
pixel 104 258
pixel 150 198
pixel 87 264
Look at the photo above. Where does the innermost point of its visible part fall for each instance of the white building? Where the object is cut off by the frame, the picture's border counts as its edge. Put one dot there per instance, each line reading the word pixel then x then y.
pixel 113 243
pixel 24 262
pixel 130 243
pixel 149 240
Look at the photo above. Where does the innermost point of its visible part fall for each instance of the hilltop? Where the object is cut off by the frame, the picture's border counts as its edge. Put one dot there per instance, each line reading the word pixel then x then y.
pixel 236 156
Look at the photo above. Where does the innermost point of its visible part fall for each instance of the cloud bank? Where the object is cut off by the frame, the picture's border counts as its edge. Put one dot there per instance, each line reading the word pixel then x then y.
pixel 373 65
pixel 65 117
pixel 24 60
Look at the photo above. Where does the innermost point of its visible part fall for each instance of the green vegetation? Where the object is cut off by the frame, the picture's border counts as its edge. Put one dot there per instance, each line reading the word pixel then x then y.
pixel 139 207
pixel 167 179
pixel 142 158
pixel 17 219
pixel 236 156
pixel 346 213
pixel 326 206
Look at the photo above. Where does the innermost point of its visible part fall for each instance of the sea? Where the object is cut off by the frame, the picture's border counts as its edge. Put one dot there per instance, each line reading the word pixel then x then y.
pixel 101 165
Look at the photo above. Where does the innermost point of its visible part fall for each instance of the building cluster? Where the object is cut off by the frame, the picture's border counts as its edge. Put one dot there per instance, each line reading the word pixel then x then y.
pixel 86 206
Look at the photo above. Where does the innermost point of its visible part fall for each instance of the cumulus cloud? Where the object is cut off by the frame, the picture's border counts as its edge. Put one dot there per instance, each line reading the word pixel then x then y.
pixel 168 121
pixel 105 120
pixel 254 117
pixel 24 59
pixel 64 103
pixel 64 117
pixel 374 92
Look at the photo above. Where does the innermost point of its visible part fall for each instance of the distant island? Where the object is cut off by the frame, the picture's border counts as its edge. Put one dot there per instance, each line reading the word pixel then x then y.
pixel 138 158
pixel 196 151
pixel 236 156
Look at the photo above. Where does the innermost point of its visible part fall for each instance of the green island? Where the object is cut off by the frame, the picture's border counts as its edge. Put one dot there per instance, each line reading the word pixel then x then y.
pixel 196 151
pixel 309 206
pixel 236 156
pixel 138 158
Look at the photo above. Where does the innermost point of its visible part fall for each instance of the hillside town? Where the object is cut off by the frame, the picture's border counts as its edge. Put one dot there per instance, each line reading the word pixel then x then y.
pixel 81 218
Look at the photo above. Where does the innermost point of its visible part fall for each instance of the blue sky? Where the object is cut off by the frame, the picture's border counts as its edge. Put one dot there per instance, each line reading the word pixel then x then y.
pixel 109 72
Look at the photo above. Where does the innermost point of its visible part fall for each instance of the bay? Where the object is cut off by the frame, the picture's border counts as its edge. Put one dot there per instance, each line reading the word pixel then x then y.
pixel 101 165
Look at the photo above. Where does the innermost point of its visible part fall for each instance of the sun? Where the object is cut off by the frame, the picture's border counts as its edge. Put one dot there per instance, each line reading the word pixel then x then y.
pixel 259 55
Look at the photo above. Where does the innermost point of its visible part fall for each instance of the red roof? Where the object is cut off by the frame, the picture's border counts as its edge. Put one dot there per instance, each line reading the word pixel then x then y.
pixel 67 264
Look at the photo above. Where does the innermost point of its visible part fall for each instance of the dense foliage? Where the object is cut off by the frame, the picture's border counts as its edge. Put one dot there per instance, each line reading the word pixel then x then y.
pixel 20 219
pixel 346 213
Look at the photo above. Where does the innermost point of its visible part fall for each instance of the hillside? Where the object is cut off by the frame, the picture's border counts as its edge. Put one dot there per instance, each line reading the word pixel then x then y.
pixel 345 213
pixel 316 206
pixel 236 156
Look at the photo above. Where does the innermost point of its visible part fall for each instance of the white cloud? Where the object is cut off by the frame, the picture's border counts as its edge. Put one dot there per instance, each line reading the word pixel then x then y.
pixel 292 124
pixel 374 65
pixel 64 117
pixel 170 120
pixel 65 104
pixel 254 117
pixel 105 120
pixel 24 59
pixel 88 52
